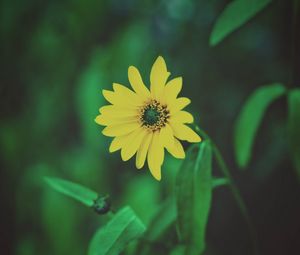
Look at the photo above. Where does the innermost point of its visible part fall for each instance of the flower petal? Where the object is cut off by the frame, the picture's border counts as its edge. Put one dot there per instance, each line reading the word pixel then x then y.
pixel 166 136
pixel 176 150
pixel 183 132
pixel 182 117
pixel 109 96
pixel 158 77
pixel 118 142
pixel 142 151
pixel 101 120
pixel 107 120
pixel 172 89
pixel 128 94
pixel 178 104
pixel 117 111
pixel 133 142
pixel 155 156
pixel 137 83
pixel 120 129
pixel 119 99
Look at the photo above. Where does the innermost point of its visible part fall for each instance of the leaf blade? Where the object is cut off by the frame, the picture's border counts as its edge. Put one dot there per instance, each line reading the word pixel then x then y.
pixel 217 182
pixel 73 190
pixel 194 193
pixel 162 220
pixel 124 227
pixel 158 229
pixel 294 126
pixel 235 14
pixel 249 119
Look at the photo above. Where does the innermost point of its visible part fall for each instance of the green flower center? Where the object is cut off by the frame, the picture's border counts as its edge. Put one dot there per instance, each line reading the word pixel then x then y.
pixel 153 115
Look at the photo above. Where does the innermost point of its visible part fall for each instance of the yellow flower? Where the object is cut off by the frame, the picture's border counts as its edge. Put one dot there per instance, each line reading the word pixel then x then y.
pixel 145 122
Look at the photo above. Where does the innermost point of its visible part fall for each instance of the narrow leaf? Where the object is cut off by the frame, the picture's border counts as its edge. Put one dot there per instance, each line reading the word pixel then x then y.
pixel 194 192
pixel 179 250
pixel 217 182
pixel 250 118
pixel 162 220
pixel 124 227
pixel 158 228
pixel 294 126
pixel 74 190
pixel 235 14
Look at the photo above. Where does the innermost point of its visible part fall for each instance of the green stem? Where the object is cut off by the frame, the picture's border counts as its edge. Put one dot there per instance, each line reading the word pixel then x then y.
pixel 234 189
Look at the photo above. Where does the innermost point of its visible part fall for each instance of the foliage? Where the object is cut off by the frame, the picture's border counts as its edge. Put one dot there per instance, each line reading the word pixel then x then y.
pixel 56 57
pixel 194 194
pixel 250 118
pixel 124 227
pixel 294 126
pixel 235 14
pixel 76 191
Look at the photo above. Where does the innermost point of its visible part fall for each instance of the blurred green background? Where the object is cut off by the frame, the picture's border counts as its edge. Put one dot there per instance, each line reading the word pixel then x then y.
pixel 57 56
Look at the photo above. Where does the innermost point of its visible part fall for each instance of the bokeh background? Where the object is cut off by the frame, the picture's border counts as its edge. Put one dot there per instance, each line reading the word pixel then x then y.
pixel 57 56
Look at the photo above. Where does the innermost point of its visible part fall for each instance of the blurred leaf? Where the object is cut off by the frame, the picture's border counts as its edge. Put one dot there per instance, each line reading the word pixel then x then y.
pixel 294 126
pixel 124 227
pixel 89 98
pixel 148 191
pixel 217 182
pixel 158 233
pixel 26 246
pixel 235 14
pixel 161 220
pixel 250 118
pixel 74 190
pixel 194 192
pixel 179 250
pixel 59 220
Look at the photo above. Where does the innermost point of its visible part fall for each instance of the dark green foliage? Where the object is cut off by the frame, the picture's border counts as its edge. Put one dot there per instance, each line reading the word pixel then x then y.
pixel 194 193
pixel 161 221
pixel 57 56
pixel 250 118
pixel 74 190
pixel 217 182
pixel 294 126
pixel 111 239
pixel 157 234
pixel 235 14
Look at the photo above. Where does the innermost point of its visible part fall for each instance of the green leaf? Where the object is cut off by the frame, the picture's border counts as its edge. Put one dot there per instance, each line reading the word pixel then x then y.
pixel 235 14
pixel 194 192
pixel 179 250
pixel 217 182
pixel 124 227
pixel 162 220
pixel 250 118
pixel 158 230
pixel 294 126
pixel 74 190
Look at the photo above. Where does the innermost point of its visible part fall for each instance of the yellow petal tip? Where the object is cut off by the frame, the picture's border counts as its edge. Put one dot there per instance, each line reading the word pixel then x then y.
pixel 131 68
pixel 139 167
pixel 158 178
pixel 196 140
pixel 111 150
pixel 182 156
pixel 156 173
pixel 105 132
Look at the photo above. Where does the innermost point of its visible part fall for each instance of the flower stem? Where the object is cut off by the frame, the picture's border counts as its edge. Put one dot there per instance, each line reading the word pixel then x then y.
pixel 234 189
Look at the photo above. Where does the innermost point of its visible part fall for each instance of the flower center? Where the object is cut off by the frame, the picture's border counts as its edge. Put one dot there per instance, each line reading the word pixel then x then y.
pixel 154 116
pixel 151 116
